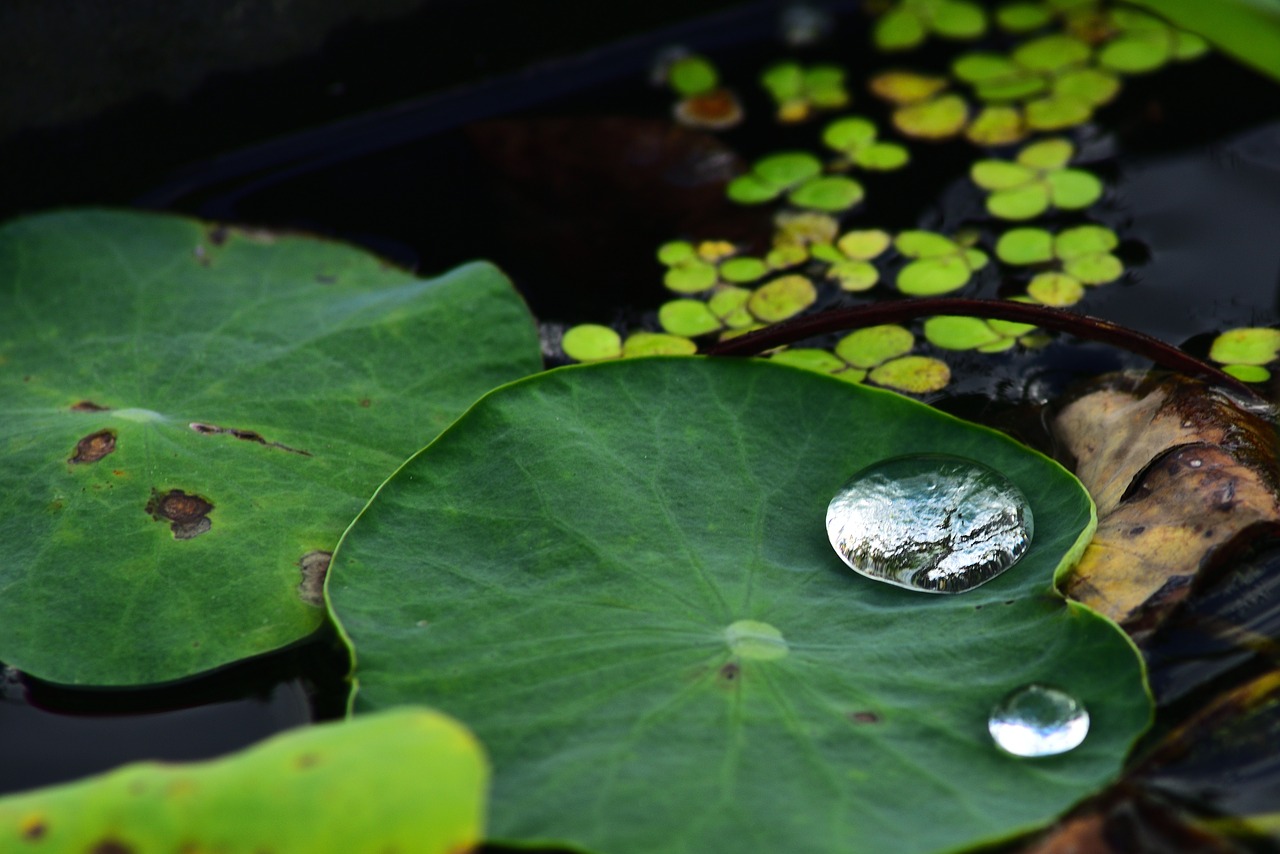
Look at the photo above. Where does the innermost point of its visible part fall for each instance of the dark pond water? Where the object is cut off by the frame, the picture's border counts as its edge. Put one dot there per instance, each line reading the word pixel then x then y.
pixel 532 171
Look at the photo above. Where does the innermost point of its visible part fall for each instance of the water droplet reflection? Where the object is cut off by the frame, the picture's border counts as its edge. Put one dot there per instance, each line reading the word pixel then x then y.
pixel 930 522
pixel 1037 720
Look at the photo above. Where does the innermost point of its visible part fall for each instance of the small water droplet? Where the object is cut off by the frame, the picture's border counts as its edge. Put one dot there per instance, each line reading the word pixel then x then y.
pixel 1195 464
pixel 1038 720
pixel 930 522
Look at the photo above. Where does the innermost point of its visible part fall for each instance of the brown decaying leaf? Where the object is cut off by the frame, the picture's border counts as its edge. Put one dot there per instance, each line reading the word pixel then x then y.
pixel 1176 469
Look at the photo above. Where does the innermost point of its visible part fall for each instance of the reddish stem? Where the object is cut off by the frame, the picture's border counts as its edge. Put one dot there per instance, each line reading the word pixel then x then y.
pixel 899 311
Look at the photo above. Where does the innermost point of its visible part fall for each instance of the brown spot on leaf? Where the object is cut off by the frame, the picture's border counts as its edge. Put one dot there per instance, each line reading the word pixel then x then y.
pixel 864 717
pixel 366 402
pixel 94 447
pixel 88 406
pixel 326 278
pixel 730 671
pixel 34 827
pixel 314 566
pixel 112 846
pixel 244 435
pixel 218 235
pixel 187 515
pixel 307 760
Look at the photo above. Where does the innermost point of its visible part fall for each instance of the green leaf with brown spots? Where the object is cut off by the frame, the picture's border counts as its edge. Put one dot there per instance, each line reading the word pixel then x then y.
pixel 404 780
pixel 632 600
pixel 247 391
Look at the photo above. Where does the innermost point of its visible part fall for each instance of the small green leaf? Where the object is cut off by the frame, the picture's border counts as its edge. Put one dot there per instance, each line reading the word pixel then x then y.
pixel 825 86
pixel 782 298
pixel 939 118
pixel 864 244
pixel 1053 153
pixel 981 67
pixel 958 19
pixel 1009 328
pixel 1073 189
pixel 279 795
pixel 811 359
pixel 933 276
pixel 1084 240
pixel 1022 17
pixel 784 81
pixel 786 255
pixel 750 189
pixel 881 156
pixel 1052 53
pixel 906 87
pixel 1188 46
pixel 590 342
pixel 827 193
pixel 924 244
pixel 1057 112
pixel 1248 373
pixel 854 275
pixel 743 270
pixel 1136 53
pixel 693 75
pixel 994 126
pixel 730 305
pixel 975 258
pixel 866 348
pixel 1015 88
pixel 1025 246
pixel 898 29
pixel 675 252
pixel 959 333
pixel 912 374
pixel 687 318
pixel 849 134
pixel 1094 269
pixel 690 277
pixel 1019 203
pixel 1055 289
pixel 1248 346
pixel 788 168
pixel 1000 174
pixel 1092 86
pixel 657 344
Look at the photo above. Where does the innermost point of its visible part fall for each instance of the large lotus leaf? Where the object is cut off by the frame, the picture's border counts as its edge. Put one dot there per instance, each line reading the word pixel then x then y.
pixel 619 575
pixel 192 415
pixel 405 780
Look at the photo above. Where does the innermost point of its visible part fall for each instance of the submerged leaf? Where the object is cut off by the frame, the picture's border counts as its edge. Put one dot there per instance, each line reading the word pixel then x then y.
pixel 627 600
pixel 1176 470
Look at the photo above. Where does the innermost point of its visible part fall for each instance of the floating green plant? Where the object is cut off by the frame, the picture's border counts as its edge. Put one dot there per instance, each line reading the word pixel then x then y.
pixel 879 354
pixel 941 264
pixel 797 234
pixel 703 103
pixel 692 269
pixel 909 22
pixel 855 138
pixel 1081 256
pixel 591 342
pixel 1143 43
pixel 734 310
pixel 850 258
pixel 798 91
pixel 1037 179
pixel 952 332
pixel 798 176
pixel 1046 81
pixel 922 106
pixel 1022 17
pixel 1244 352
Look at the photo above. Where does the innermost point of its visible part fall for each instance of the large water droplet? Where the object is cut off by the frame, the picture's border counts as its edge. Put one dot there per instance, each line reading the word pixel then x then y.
pixel 1037 720
pixel 930 522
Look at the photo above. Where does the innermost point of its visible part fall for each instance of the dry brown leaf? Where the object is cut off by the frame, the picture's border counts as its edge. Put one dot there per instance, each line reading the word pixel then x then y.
pixel 1176 469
